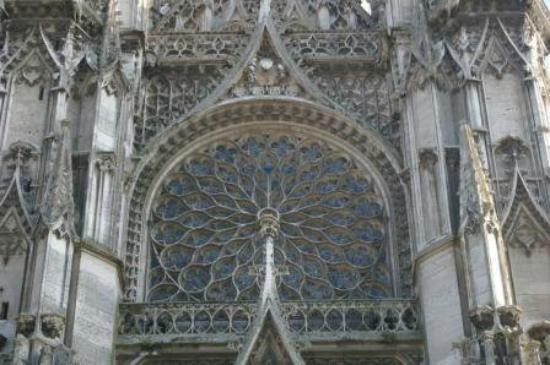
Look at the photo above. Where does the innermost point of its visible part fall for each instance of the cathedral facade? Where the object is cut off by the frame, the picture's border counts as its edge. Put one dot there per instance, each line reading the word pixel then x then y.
pixel 328 182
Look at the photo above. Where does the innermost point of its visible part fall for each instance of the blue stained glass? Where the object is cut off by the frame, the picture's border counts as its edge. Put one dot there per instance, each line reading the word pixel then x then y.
pixel 171 208
pixel 253 147
pixel 316 290
pixel 309 174
pixel 207 254
pixel 201 167
pixel 227 174
pixel 376 293
pixel 367 234
pixel 288 169
pixel 196 278
pixel 290 230
pixel 247 168
pixel 336 166
pixel 198 237
pixel 243 279
pixel 199 201
pixel 341 219
pixel 220 290
pixel 181 185
pixel 315 320
pixel 326 187
pixel 224 267
pixel 205 226
pixel 358 255
pixel 338 235
pixel 225 154
pixel 282 147
pixel 176 257
pixel 211 185
pixel 294 277
pixel 225 201
pixel 343 279
pixel 355 185
pixel 330 253
pixel 313 267
pixel 195 219
pixel 368 210
pixel 311 152
pixel 156 276
pixel 168 233
pixel 246 253
pixel 336 201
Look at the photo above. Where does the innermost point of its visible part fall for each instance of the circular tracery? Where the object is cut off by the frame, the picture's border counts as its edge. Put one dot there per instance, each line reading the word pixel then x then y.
pixel 331 241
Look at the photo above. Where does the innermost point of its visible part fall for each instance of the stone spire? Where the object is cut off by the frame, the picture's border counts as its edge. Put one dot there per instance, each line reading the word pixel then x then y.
pixel 268 340
pixel 57 210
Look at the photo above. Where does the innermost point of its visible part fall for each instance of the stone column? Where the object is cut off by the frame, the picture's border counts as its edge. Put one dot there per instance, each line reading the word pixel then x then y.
pixel 98 220
pixel 437 278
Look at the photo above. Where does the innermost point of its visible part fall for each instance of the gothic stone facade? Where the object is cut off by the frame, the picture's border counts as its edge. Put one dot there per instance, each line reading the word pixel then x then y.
pixel 274 182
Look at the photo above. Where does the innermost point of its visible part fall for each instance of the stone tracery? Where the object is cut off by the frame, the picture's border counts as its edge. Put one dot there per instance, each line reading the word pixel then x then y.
pixel 332 244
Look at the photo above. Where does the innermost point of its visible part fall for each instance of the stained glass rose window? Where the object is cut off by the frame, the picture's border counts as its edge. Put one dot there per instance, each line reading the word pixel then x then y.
pixel 205 245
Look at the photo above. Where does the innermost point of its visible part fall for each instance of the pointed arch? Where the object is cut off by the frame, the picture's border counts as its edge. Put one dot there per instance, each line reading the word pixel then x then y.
pixel 526 224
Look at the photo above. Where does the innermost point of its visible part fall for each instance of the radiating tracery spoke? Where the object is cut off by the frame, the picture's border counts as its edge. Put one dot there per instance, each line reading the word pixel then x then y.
pixel 205 244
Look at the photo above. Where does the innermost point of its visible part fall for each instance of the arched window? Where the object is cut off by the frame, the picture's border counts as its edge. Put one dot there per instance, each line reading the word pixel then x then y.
pixel 332 243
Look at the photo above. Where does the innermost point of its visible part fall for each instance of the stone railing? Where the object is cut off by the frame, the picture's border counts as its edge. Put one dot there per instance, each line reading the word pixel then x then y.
pixel 162 322
pixel 360 318
pixel 190 321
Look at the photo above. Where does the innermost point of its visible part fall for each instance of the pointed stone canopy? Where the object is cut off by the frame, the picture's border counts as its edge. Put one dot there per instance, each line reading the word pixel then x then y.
pixel 481 228
pixel 16 222
pixel 271 346
pixel 266 71
pixel 478 207
pixel 268 340
pixel 57 210
pixel 526 223
pixel 14 197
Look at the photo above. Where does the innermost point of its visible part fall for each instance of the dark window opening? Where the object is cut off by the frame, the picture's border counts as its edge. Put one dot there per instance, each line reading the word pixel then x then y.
pixel 41 93
pixel 4 311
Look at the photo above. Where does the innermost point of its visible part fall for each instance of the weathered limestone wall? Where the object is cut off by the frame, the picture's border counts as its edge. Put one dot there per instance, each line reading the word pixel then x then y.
pixel 506 111
pixel 53 278
pixel 28 113
pixel 97 296
pixel 531 278
pixel 12 272
pixel 441 304
pixel 11 283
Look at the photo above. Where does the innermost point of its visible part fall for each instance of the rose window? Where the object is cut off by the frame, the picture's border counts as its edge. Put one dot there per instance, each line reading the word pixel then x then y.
pixel 332 241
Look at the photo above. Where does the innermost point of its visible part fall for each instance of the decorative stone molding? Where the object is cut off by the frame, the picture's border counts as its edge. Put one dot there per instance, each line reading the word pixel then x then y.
pixel 26 324
pixel 539 331
pixel 509 316
pixel 22 151
pixel 106 162
pixel 13 238
pixel 513 150
pixel 427 157
pixel 528 225
pixel 52 325
pixel 269 223
pixel 483 318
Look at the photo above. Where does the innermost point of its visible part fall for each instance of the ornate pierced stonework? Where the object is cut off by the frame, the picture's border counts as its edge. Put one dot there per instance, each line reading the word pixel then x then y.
pixel 332 242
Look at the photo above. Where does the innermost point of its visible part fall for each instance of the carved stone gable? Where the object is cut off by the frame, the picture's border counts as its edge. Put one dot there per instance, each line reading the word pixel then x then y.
pixel 13 241
pixel 526 224
pixel 266 74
